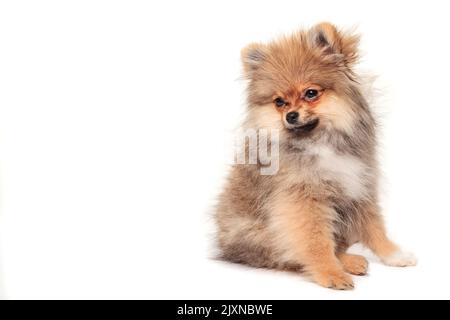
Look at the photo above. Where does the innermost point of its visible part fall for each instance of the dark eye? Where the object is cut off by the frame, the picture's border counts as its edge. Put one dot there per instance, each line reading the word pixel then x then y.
pixel 311 94
pixel 279 102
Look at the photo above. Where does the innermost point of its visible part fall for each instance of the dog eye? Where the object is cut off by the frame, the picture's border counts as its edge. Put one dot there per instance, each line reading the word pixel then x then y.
pixel 279 102
pixel 311 94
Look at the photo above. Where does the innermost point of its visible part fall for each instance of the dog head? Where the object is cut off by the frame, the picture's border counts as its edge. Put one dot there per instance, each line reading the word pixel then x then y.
pixel 303 82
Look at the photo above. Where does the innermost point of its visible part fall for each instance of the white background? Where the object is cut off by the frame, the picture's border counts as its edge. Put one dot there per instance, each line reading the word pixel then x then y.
pixel 114 122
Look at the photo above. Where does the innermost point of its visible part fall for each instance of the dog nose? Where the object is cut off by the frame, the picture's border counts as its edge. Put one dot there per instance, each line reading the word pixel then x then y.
pixel 292 117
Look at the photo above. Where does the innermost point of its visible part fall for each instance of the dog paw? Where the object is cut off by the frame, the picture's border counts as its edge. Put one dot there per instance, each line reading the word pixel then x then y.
pixel 354 264
pixel 334 280
pixel 400 259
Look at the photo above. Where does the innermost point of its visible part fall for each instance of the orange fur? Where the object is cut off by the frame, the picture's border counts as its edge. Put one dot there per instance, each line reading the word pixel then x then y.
pixel 374 236
pixel 324 196
pixel 303 226
pixel 353 264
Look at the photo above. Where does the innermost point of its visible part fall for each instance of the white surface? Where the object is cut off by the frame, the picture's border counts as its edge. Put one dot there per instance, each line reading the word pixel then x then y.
pixel 114 122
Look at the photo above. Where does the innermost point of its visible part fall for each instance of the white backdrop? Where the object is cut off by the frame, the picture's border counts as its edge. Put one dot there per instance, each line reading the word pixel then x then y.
pixel 114 122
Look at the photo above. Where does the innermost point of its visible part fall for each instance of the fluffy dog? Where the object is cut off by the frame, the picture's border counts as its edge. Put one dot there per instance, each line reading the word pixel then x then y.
pixel 323 198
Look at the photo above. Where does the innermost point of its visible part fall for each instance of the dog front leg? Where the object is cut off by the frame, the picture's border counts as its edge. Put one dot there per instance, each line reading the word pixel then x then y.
pixel 375 238
pixel 303 229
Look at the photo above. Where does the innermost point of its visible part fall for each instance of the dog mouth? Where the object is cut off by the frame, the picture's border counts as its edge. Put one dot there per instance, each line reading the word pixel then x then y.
pixel 307 127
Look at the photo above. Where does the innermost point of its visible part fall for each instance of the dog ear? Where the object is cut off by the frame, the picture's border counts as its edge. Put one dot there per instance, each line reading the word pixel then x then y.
pixel 325 36
pixel 252 57
pixel 334 42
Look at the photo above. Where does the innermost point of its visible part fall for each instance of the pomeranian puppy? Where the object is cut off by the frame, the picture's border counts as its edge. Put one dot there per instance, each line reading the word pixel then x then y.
pixel 323 198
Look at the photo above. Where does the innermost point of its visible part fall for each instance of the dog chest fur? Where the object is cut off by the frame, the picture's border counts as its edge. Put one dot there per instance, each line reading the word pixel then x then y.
pixel 347 170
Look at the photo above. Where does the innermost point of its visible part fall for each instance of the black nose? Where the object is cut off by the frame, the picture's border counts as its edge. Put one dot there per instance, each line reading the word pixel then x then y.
pixel 292 117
